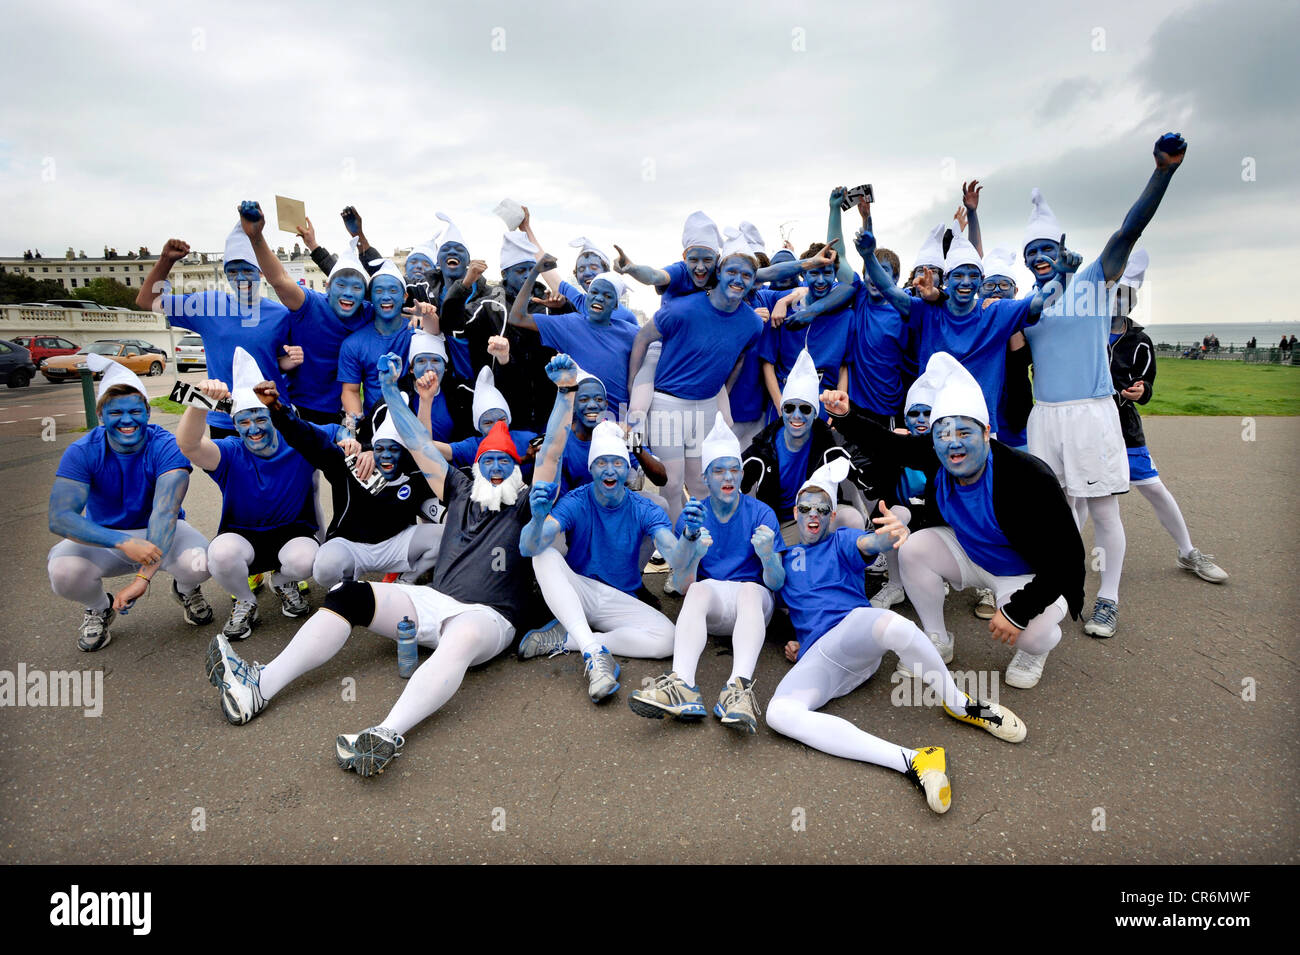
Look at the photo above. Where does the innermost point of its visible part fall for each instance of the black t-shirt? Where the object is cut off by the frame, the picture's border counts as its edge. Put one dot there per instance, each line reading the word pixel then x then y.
pixel 479 561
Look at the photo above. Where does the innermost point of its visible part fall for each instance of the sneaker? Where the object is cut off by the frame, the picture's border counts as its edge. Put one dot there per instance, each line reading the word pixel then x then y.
pixel 1203 566
pixel 94 633
pixel 368 752
pixel 1105 618
pixel 1026 669
pixel 658 564
pixel 737 707
pixel 985 605
pixel 602 674
pixel 255 581
pixel 670 696
pixel 889 595
pixel 304 586
pixel 998 720
pixel 242 620
pixel 547 640
pixel 195 606
pixel 878 566
pixel 945 648
pixel 292 602
pixel 391 578
pixel 238 681
pixel 668 586
pixel 929 770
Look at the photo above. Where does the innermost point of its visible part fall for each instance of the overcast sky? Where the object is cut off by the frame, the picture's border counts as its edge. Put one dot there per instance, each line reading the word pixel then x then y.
pixel 125 125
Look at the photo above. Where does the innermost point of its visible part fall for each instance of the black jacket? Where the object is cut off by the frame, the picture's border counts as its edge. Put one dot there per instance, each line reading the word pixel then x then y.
pixel 762 471
pixel 1132 358
pixel 1028 503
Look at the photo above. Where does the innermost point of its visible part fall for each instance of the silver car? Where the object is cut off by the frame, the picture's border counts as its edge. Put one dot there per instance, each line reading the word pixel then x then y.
pixel 189 353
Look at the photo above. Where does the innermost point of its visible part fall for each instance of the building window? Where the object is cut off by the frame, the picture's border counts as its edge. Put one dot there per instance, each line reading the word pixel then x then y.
pixel 128 280
pixel 74 283
pixel 45 268
pixel 97 268
pixel 111 269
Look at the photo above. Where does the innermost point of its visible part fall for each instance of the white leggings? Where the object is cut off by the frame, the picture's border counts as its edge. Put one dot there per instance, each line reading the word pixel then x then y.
pixel 410 552
pixel 1166 508
pixel 596 614
pixel 741 609
pixel 1108 536
pixel 77 571
pixel 467 639
pixel 838 664
pixel 229 555
pixel 926 562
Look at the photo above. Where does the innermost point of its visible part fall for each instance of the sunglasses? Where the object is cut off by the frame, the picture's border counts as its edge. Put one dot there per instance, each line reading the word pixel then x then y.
pixel 822 509
pixel 791 408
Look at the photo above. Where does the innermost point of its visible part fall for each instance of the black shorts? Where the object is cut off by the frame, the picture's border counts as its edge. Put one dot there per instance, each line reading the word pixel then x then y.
pixel 319 417
pixel 267 543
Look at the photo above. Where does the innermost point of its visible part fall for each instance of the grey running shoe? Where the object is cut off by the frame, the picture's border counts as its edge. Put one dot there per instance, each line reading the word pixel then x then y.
pixel 238 681
pixel 1105 619
pixel 242 620
pixel 737 707
pixel 195 606
pixel 368 752
pixel 292 602
pixel 1203 566
pixel 1026 669
pixel 602 674
pixel 944 644
pixel 986 606
pixel 94 634
pixel 670 696
pixel 547 640
pixel 878 566
pixel 889 595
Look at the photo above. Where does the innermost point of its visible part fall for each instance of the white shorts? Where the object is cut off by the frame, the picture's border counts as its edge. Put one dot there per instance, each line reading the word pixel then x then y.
pixel 720 618
pixel 678 426
pixel 973 575
pixel 390 556
pixel 1082 443
pixel 433 610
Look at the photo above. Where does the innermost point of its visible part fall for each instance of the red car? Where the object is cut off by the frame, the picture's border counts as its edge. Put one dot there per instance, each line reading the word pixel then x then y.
pixel 45 346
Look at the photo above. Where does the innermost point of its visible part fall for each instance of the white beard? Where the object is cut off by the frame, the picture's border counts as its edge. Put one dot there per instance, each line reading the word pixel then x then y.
pixel 492 496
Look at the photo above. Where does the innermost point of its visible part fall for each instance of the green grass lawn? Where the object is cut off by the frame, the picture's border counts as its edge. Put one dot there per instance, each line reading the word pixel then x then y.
pixel 167 405
pixel 1224 388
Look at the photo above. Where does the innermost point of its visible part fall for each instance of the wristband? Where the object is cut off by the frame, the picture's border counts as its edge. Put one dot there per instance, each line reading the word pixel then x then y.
pixel 147 580
pixel 570 389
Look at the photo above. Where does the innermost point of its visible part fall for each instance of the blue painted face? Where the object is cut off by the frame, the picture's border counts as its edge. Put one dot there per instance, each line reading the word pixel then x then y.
pixel 602 299
pixel 814 523
pixel 798 417
pixel 873 291
pixel 124 419
pixel 513 278
pixel 998 286
pixel 917 419
pixel 962 445
pixel 418 267
pixel 387 453
pixel 608 479
pixel 700 261
pixel 426 361
pixel 962 285
pixel 244 279
pixel 256 431
pixel 735 278
pixel 387 296
pixel 590 402
pixel 1043 257
pixel 496 466
pixel 723 481
pixel 588 266
pixel 453 261
pixel 489 418
pixel 347 292
pixel 819 281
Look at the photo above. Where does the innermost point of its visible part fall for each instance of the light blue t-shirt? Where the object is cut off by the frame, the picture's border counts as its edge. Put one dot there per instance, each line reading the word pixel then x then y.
pixel 701 344
pixel 968 510
pixel 605 543
pixel 731 555
pixel 824 583
pixel 1071 360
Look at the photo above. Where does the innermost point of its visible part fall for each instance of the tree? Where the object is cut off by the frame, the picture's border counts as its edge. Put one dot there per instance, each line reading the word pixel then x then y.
pixel 108 291
pixel 15 288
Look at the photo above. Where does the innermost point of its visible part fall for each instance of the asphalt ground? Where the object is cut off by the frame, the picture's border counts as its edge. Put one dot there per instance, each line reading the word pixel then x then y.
pixel 1140 749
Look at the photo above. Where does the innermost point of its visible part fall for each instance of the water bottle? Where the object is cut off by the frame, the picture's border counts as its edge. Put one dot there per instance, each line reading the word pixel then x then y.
pixel 407 654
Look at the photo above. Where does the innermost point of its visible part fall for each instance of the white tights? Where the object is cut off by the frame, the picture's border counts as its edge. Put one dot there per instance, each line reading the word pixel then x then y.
pixel 230 554
pixel 1108 534
pixel 704 602
pixel 1166 508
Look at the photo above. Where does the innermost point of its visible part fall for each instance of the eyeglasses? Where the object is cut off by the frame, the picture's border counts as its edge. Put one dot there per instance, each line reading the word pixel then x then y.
pixel 791 407
pixel 822 509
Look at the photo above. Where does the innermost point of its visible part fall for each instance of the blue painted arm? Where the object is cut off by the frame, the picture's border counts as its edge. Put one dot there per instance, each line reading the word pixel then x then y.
pixel 1169 152
pixel 414 435
pixel 563 371
pixel 837 298
pixel 67 502
pixel 902 302
pixel 835 235
pixel 541 528
pixel 763 541
pixel 167 496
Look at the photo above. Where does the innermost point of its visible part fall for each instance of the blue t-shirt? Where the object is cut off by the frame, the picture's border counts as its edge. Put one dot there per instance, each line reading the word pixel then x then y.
pixel 911 483
pixel 600 350
pixel 824 583
pixel 605 543
pixel 574 471
pixel 977 340
pixel 259 494
pixel 359 360
pixel 1071 360
pixel 315 383
pixel 826 338
pixel 968 510
pixel 262 330
pixel 578 299
pixel 701 345
pixel 464 452
pixel 679 282
pixel 441 425
pixel 121 485
pixel 793 468
pixel 876 355
pixel 731 555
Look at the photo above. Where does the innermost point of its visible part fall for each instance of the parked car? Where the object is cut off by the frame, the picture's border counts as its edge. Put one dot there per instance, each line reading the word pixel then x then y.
pixel 46 346
pixel 81 303
pixel 143 345
pixel 190 354
pixel 68 367
pixel 16 368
